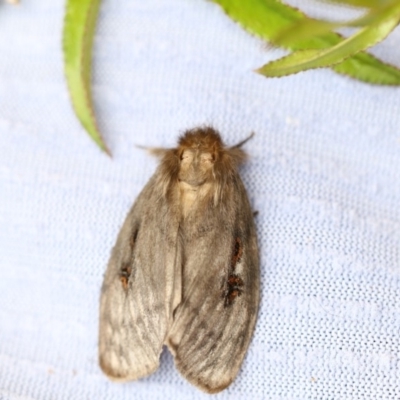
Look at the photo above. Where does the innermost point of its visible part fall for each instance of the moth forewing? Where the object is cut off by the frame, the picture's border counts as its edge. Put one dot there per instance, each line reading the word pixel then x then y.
pixel 184 270
pixel 133 321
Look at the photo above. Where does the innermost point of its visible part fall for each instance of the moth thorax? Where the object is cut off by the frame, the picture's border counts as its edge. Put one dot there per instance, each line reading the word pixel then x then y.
pixel 191 196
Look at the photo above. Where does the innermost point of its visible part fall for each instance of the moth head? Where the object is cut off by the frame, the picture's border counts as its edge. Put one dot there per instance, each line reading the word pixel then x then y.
pixel 201 157
pixel 199 151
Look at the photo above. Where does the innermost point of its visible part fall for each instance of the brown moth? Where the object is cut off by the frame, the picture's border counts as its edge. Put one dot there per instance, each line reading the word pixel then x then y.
pixel 184 271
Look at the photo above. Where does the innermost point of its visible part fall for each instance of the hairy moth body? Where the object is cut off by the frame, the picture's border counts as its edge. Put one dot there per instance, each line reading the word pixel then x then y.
pixel 184 271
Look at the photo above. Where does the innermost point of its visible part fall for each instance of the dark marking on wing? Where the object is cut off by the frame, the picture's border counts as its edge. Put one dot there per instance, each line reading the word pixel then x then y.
pixel 233 286
pixel 233 290
pixel 235 281
pixel 126 268
pixel 124 274
pixel 237 253
pixel 132 239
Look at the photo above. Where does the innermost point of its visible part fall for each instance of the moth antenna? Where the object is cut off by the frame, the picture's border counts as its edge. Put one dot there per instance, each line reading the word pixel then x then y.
pixel 240 144
pixel 158 152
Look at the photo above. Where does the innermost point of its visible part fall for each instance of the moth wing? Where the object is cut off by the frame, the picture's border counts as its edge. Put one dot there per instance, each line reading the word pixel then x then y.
pixel 133 313
pixel 214 323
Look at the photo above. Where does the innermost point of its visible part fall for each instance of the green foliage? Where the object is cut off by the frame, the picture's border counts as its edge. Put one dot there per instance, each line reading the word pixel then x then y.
pixel 314 42
pixel 79 26
pixel 379 26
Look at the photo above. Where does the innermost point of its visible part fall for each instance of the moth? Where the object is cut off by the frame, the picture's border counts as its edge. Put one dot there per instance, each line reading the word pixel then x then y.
pixel 184 271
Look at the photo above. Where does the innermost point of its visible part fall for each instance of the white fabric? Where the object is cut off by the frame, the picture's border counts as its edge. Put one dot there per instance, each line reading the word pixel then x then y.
pixel 323 173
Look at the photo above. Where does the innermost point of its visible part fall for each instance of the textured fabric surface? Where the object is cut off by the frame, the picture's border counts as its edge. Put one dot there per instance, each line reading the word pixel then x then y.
pixel 323 173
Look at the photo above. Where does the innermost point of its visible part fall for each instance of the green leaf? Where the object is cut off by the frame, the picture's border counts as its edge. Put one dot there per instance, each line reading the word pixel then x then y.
pixel 367 68
pixel 362 3
pixel 79 27
pixel 307 28
pixel 306 59
pixel 266 18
